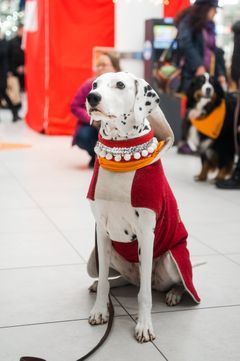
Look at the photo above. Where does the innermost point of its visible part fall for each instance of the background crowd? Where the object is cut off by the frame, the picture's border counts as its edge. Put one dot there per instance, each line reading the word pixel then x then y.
pixel 197 54
pixel 12 72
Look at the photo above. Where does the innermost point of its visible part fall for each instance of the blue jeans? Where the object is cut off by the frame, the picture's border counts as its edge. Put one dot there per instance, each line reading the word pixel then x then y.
pixel 86 137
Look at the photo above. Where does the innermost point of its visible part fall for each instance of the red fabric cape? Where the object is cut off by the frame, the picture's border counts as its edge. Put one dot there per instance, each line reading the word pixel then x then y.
pixel 150 189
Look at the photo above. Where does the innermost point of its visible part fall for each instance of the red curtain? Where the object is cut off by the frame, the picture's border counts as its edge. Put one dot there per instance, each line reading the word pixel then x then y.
pixel 174 6
pixel 59 58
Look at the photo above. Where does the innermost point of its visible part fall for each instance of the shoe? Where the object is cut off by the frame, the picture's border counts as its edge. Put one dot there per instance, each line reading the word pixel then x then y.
pixel 231 183
pixel 92 162
pixel 16 117
pixel 185 149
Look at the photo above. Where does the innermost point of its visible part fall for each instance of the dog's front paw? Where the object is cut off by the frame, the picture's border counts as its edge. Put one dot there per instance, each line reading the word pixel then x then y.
pixel 194 113
pixel 174 296
pixel 200 178
pixel 144 331
pixel 98 316
pixel 93 287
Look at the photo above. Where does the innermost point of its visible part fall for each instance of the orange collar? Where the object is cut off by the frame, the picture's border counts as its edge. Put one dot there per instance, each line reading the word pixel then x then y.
pixel 212 124
pixel 124 166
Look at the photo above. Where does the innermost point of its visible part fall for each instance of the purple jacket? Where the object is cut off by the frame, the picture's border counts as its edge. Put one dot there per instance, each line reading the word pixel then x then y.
pixel 78 107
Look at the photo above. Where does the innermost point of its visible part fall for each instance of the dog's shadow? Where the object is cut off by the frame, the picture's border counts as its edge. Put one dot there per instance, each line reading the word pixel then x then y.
pixel 126 296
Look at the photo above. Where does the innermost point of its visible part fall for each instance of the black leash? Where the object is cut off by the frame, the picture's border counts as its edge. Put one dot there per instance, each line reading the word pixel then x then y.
pixel 109 326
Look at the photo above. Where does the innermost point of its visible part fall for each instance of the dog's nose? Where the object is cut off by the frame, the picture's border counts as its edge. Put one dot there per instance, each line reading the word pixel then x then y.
pixel 208 91
pixel 94 99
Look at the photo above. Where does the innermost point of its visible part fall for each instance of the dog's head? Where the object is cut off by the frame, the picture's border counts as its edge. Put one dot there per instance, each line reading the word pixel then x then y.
pixel 204 88
pixel 121 103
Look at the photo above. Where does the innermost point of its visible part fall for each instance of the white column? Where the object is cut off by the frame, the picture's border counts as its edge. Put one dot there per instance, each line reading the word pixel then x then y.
pixel 130 16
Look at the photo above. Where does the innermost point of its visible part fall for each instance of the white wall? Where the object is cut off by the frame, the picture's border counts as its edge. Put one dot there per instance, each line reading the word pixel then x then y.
pixel 130 16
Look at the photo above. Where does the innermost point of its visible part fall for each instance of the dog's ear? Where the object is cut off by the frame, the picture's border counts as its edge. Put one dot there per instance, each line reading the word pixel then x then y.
pixel 147 106
pixel 190 93
pixel 161 128
pixel 146 99
pixel 218 89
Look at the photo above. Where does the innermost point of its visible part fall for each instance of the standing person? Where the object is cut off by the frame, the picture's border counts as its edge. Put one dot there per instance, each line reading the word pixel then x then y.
pixel 3 78
pixel 16 56
pixel 234 181
pixel 85 136
pixel 197 42
pixel 235 68
pixel 197 47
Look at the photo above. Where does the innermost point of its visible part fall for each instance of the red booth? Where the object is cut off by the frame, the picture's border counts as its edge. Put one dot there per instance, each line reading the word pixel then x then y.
pixel 60 36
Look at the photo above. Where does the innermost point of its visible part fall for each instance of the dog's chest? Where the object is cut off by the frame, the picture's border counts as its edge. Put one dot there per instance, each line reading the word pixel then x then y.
pixel 112 204
pixel 117 219
pixel 114 186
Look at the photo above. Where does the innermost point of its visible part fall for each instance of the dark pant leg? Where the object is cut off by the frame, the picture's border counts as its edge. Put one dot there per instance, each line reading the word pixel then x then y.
pixel 11 106
pixel 21 80
pixel 85 138
pixel 185 129
pixel 185 83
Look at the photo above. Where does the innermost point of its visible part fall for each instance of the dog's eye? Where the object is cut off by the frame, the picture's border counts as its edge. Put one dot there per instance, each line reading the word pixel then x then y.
pixel 120 85
pixel 94 85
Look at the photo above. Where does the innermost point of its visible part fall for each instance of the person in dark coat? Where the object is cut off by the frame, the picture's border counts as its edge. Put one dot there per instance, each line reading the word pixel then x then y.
pixel 197 46
pixel 197 42
pixel 3 79
pixel 85 136
pixel 234 181
pixel 16 56
pixel 235 68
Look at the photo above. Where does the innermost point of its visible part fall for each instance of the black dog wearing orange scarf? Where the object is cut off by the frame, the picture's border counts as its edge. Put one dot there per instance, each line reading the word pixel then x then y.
pixel 210 114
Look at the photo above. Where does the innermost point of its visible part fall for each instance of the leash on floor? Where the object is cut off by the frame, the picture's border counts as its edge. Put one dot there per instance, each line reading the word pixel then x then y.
pixel 109 326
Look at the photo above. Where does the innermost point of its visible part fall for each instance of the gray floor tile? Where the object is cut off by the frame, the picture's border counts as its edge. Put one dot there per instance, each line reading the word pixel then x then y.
pixel 234 257
pixel 47 232
pixel 223 237
pixel 70 340
pixel 83 241
pixel 73 218
pixel 199 335
pixel 24 220
pixel 45 294
pixel 197 247
pixel 36 249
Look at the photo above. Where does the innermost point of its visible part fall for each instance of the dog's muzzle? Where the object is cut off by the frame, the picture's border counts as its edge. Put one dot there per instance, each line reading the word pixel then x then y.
pixel 94 99
pixel 208 92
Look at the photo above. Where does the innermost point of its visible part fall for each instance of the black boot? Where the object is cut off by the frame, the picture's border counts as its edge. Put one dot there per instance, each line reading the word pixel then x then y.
pixel 16 117
pixel 233 182
pixel 15 114
pixel 92 161
pixel 14 108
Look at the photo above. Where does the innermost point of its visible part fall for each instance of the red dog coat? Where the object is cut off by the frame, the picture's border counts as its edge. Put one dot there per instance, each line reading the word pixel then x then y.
pixel 150 189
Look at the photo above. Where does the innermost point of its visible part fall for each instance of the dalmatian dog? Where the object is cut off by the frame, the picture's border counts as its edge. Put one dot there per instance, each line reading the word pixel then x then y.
pixel 140 237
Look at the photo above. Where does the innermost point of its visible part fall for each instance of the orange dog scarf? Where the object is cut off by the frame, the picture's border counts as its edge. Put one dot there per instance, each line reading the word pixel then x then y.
pixel 212 124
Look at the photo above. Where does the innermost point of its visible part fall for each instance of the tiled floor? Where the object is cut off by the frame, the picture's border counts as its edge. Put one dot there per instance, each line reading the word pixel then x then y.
pixel 47 233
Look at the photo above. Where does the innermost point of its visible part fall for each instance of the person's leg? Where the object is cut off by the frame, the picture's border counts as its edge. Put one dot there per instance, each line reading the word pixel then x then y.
pixel 234 181
pixel 85 138
pixel 21 82
pixel 12 107
pixel 183 146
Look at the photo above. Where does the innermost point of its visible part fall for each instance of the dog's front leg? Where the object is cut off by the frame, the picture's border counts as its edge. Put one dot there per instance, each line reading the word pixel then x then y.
pixel 99 314
pixel 144 329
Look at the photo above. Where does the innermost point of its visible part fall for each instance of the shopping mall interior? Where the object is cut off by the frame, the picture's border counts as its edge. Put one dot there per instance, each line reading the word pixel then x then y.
pixel 47 227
